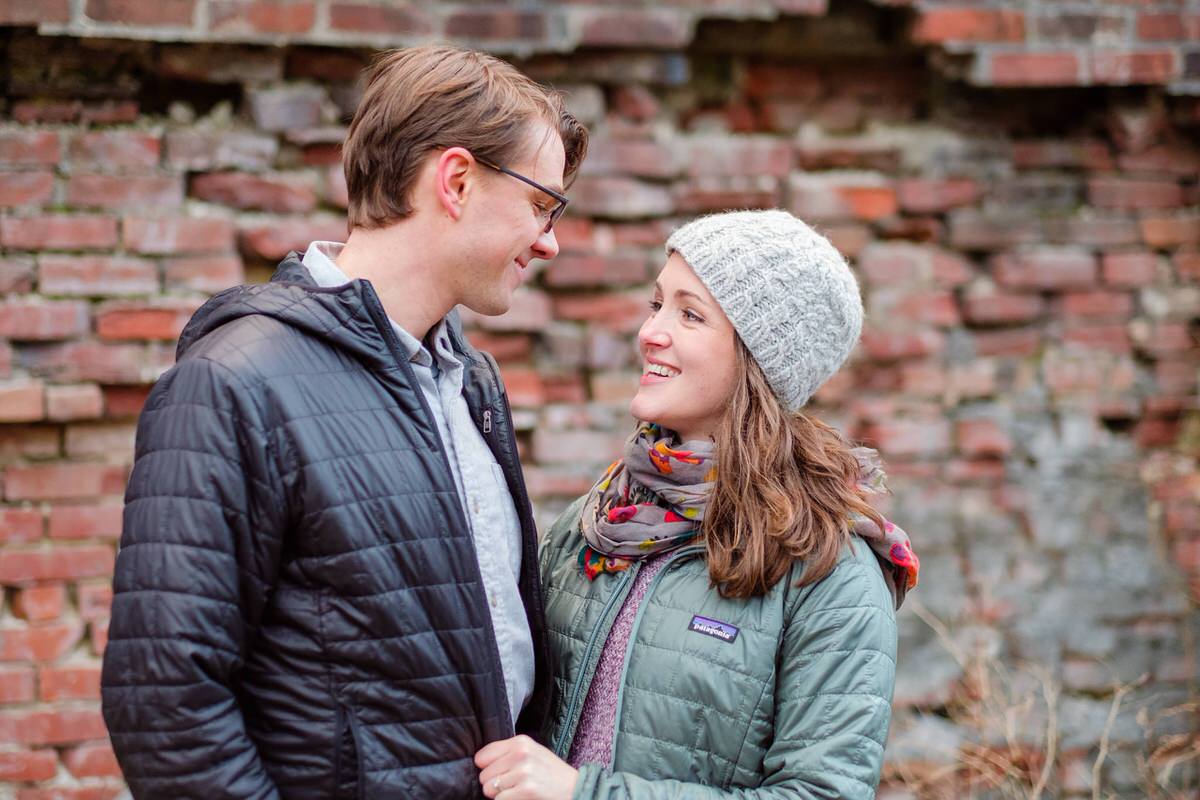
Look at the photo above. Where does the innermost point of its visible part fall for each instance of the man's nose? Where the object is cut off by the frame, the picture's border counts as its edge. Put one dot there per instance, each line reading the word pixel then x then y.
pixel 546 245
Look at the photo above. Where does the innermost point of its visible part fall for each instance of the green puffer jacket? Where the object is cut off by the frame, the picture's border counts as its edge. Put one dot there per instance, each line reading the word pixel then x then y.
pixel 795 705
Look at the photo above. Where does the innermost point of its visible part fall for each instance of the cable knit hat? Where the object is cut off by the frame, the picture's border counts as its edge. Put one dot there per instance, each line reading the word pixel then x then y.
pixel 788 292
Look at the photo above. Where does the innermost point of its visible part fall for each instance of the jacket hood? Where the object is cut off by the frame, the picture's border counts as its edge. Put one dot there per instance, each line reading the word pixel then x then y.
pixel 350 317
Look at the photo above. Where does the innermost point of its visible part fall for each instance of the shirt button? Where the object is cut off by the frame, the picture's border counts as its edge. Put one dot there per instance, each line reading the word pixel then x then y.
pixel 494 601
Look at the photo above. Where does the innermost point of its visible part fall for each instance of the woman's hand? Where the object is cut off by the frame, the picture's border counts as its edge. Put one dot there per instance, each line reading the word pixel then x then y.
pixel 521 769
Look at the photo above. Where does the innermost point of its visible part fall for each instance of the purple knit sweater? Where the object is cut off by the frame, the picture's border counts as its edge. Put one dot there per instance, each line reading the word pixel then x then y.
pixel 598 720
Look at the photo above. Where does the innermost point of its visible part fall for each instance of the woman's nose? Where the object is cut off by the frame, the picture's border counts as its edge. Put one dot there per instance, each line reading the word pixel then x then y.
pixel 653 334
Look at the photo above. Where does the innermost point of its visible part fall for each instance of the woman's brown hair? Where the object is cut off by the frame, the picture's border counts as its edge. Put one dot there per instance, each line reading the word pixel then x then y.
pixel 785 490
pixel 422 99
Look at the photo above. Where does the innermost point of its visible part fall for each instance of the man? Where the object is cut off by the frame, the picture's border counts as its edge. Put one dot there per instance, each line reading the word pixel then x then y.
pixel 327 583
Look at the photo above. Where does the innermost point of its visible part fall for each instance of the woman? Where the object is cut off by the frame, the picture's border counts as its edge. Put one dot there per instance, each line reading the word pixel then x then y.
pixel 721 622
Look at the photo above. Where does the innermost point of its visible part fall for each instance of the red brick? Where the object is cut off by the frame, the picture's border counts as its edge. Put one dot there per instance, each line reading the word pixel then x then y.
pixel 16 275
pixel 1132 194
pixel 848 238
pixel 107 150
pixel 40 603
pixel 16 686
pixel 79 401
pixel 275 239
pixel 40 320
pixel 1081 25
pixel 1187 263
pixel 125 191
pixel 25 148
pixel 97 275
pixel 933 307
pixel 1176 377
pixel 95 601
pixel 82 361
pixel 58 232
pixel 21 442
pixel 631 27
pixel 138 12
pixel 203 273
pixel 906 438
pixel 28 112
pixel 6 359
pixel 206 150
pixel 492 24
pixel 1165 338
pixel 124 401
pixel 624 313
pixel 975 230
pixel 1100 231
pixel 1168 26
pixel 109 440
pixel 62 481
pixel 570 270
pixel 95 760
pixel 25 188
pixel 647 159
pixel 60 726
pixel 1002 308
pixel 1109 338
pixel 982 439
pixel 74 682
pixel 892 345
pixel 722 192
pixel 335 192
pixel 751 156
pixel 280 193
pixel 160 319
pixel 1035 69
pixel 869 202
pixel 23 566
pixel 1167 232
pixel 1129 270
pixel 20 524
pixel 98 632
pixel 1045 269
pixel 86 521
pixel 110 112
pixel 1018 342
pixel 1097 304
pixel 46 642
pixel 28 765
pixel 261 16
pixel 379 19
pixel 1091 154
pixel 927 196
pixel 1121 68
pixel 22 401
pixel 889 264
pixel 503 347
pixel 635 102
pixel 524 387
pixel 969 25
pixel 530 311
pixel 1167 159
pixel 32 12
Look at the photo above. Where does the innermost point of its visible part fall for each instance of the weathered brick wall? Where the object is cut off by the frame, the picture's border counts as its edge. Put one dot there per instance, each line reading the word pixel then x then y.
pixel 1015 183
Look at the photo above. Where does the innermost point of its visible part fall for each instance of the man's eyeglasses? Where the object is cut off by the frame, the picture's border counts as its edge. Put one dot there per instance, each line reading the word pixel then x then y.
pixel 551 216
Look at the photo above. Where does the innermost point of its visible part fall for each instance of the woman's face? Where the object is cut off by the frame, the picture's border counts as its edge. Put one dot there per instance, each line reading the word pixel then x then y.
pixel 689 356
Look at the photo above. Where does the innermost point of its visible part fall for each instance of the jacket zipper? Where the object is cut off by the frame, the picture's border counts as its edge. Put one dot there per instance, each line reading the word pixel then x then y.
pixel 637 621
pixel 620 591
pixel 487 421
pixel 375 308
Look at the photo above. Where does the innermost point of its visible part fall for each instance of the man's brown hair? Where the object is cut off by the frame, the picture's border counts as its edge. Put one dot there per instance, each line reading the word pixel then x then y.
pixel 421 99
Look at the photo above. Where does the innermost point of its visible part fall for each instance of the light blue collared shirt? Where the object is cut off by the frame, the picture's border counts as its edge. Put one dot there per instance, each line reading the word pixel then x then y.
pixel 487 503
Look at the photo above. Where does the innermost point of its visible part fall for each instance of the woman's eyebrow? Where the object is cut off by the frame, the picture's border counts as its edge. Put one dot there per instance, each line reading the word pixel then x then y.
pixel 693 295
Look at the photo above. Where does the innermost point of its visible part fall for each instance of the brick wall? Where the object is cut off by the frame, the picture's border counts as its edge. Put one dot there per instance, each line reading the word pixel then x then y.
pixel 1016 185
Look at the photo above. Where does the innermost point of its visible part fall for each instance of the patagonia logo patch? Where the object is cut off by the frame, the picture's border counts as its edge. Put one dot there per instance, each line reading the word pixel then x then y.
pixel 714 628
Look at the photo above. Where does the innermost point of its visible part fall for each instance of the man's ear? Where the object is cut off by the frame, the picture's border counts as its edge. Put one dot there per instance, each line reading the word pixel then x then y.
pixel 452 173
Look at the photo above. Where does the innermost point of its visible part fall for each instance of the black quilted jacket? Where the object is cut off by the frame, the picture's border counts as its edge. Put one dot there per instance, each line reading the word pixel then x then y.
pixel 298 609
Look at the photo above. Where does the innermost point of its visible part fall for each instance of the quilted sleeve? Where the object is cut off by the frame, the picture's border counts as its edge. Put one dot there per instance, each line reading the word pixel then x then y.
pixel 199 550
pixel 837 670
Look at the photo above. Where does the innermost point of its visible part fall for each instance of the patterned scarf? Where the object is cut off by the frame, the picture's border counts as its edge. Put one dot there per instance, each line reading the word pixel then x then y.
pixel 652 500
pixel 649 501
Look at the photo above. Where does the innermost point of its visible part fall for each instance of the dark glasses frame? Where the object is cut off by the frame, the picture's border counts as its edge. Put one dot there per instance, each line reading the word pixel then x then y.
pixel 555 213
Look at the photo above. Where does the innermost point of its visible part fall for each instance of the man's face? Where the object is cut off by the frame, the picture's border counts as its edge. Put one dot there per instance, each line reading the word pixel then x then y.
pixel 503 229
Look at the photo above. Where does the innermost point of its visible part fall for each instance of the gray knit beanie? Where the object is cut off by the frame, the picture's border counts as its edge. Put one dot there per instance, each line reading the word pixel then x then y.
pixel 788 292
